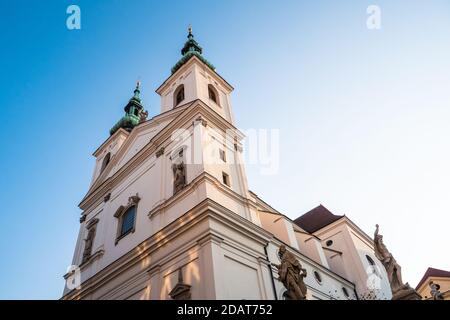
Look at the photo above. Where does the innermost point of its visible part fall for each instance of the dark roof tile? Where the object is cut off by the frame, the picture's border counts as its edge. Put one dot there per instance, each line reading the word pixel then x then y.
pixel 316 219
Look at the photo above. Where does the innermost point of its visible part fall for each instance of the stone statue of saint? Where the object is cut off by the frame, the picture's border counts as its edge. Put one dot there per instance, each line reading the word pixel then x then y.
pixel 393 269
pixel 88 245
pixel 400 291
pixel 143 116
pixel 179 174
pixel 291 274
pixel 435 293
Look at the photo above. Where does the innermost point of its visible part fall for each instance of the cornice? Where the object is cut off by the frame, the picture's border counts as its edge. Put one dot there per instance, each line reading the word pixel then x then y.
pixel 189 188
pixel 206 209
pixel 119 132
pixel 193 60
pixel 345 220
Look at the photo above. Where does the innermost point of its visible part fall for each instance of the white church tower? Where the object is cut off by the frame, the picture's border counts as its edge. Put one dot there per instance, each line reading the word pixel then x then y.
pixel 169 214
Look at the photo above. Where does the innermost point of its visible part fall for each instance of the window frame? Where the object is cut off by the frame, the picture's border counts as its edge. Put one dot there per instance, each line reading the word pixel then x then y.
pixel 106 160
pixel 120 214
pixel 176 93
pixel 122 222
pixel 213 89
pixel 223 153
pixel 226 179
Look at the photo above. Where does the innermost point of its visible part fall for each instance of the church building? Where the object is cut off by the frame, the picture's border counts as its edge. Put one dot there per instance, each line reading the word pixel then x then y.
pixel 169 213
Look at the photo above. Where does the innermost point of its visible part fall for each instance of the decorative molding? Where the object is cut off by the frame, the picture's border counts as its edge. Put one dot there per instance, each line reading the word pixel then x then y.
pixel 107 197
pixel 205 210
pixel 202 120
pixel 133 200
pixel 154 269
pixel 119 211
pixel 210 237
pixel 204 177
pixel 181 291
pixel 92 223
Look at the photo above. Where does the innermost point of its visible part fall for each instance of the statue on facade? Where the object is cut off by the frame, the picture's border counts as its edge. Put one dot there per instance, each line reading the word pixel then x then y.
pixel 88 245
pixel 435 293
pixel 143 116
pixel 399 290
pixel 179 173
pixel 291 274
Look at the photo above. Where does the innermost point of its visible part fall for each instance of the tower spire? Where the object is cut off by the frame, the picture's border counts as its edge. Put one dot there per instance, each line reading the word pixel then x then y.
pixel 191 48
pixel 137 91
pixel 134 112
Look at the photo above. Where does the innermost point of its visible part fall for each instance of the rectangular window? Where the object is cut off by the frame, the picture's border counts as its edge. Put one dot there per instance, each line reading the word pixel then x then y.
pixel 128 220
pixel 226 179
pixel 223 156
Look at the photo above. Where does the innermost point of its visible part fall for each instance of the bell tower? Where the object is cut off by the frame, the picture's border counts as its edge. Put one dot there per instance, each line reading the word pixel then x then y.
pixel 193 77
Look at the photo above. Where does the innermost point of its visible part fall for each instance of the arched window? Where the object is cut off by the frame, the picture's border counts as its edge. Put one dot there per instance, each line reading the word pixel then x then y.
pixel 178 96
pixel 213 94
pixel 373 266
pixel 105 161
pixel 128 218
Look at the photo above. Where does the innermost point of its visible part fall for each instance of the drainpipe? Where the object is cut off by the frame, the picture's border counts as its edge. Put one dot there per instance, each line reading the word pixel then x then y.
pixel 270 272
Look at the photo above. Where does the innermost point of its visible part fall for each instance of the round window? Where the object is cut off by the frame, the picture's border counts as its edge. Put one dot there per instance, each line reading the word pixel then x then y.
pixel 345 291
pixel 370 260
pixel 318 277
pixel 329 243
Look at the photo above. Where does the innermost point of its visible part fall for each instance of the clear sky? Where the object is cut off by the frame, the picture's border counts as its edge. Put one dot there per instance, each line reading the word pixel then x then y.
pixel 363 114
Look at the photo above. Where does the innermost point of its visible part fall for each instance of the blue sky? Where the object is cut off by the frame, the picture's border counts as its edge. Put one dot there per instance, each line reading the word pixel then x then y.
pixel 363 114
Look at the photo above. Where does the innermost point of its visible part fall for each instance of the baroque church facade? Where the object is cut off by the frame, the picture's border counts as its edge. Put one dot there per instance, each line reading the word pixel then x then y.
pixel 169 214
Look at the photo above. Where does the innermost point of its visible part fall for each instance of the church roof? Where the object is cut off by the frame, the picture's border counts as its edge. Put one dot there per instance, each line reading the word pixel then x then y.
pixel 316 219
pixel 432 272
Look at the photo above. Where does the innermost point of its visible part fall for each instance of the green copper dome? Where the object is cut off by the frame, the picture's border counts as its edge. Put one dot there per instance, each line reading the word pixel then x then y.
pixel 191 48
pixel 134 113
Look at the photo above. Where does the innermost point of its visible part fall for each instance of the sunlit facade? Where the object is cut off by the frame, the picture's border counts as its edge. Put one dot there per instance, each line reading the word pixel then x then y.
pixel 169 213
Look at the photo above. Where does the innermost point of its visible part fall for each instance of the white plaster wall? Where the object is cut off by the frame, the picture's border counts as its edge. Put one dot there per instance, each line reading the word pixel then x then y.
pixel 353 257
pixel 112 147
pixel 196 77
